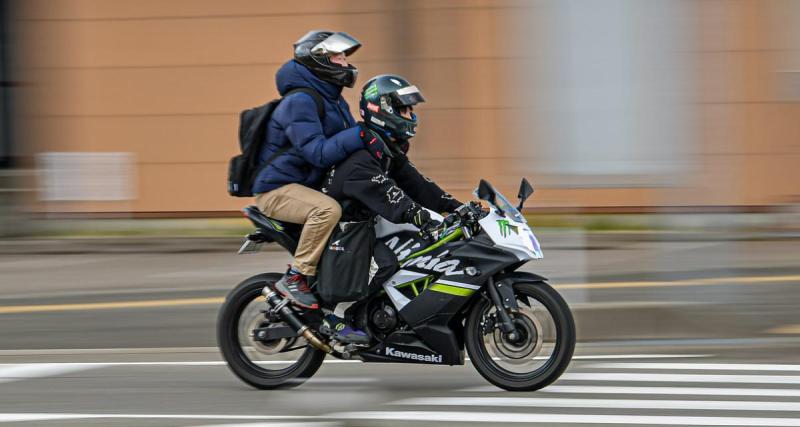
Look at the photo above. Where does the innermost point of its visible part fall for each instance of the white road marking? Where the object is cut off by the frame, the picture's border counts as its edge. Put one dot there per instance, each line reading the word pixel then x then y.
pixel 700 366
pixel 129 350
pixel 449 416
pixel 276 424
pixel 480 417
pixel 601 403
pixel 697 378
pixel 15 417
pixel 11 418
pixel 17 372
pixel 688 391
pixel 639 356
pixel 93 365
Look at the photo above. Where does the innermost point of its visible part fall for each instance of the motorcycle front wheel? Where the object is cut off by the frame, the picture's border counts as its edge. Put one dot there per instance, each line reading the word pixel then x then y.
pixel 282 363
pixel 541 352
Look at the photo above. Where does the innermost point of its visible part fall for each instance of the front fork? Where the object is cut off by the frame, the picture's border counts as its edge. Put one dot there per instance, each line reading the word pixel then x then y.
pixel 501 294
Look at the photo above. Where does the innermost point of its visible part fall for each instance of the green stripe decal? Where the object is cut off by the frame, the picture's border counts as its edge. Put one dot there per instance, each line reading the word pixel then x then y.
pixel 452 290
pixel 444 240
pixel 275 224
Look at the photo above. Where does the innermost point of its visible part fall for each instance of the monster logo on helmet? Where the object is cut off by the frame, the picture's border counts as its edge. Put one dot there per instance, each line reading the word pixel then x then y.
pixel 382 98
pixel 314 49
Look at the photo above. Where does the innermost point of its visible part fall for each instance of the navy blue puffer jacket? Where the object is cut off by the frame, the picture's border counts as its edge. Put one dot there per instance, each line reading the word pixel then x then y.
pixel 315 146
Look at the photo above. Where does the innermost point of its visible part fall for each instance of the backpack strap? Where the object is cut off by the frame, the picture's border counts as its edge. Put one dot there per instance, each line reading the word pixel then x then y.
pixel 314 95
pixel 320 113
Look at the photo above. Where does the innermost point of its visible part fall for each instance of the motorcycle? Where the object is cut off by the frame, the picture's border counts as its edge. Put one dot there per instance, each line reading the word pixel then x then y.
pixel 462 291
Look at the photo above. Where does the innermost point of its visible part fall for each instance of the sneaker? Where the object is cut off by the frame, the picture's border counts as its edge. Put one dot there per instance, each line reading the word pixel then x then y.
pixel 337 328
pixel 295 287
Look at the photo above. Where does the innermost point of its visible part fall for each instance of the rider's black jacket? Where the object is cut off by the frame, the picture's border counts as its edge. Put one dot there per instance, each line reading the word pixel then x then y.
pixel 381 180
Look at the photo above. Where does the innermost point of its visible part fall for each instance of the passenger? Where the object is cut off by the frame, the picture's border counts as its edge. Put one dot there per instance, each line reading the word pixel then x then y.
pixel 286 188
pixel 380 180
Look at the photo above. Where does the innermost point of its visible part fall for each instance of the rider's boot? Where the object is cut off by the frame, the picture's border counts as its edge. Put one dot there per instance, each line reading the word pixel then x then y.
pixel 294 285
pixel 340 330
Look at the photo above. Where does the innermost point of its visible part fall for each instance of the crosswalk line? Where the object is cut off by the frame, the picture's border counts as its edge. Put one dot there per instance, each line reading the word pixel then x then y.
pixel 696 391
pixel 696 378
pixel 601 403
pixel 699 366
pixel 541 418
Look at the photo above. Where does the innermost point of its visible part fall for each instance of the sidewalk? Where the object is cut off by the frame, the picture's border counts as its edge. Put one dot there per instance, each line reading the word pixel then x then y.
pixel 174 242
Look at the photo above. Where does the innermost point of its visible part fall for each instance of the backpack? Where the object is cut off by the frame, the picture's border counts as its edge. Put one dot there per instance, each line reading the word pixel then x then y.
pixel 243 169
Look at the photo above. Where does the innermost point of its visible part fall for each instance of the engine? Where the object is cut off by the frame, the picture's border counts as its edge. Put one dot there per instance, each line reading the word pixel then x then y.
pixel 382 319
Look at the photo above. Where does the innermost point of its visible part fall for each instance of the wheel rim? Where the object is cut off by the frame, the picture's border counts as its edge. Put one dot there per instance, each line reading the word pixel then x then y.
pixel 266 359
pixel 530 355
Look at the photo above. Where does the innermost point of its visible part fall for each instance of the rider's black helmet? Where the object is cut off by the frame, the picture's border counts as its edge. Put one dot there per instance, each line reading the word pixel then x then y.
pixel 382 97
pixel 314 48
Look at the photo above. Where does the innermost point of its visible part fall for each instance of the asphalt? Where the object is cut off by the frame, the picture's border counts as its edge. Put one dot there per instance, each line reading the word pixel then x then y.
pixel 121 335
pixel 605 384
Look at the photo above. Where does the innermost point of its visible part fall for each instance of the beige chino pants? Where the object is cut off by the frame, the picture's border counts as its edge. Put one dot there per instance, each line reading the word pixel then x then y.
pixel 298 204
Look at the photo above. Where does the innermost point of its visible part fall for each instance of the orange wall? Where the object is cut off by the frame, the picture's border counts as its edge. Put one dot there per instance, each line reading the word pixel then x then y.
pixel 167 79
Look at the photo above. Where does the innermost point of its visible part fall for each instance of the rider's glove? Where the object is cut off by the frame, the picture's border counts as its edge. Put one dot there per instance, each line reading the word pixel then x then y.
pixel 371 141
pixel 427 225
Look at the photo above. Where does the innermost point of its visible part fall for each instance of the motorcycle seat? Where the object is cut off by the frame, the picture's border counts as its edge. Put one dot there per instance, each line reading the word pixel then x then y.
pixel 285 234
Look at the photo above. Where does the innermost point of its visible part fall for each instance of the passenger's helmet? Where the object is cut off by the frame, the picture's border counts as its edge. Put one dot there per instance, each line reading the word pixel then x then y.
pixel 314 48
pixel 382 98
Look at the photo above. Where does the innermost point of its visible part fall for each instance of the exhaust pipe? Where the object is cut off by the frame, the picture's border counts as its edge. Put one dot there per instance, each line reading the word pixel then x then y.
pixel 294 322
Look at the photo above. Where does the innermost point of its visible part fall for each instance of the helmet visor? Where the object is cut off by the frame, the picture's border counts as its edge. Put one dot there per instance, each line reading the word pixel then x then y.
pixel 406 96
pixel 336 43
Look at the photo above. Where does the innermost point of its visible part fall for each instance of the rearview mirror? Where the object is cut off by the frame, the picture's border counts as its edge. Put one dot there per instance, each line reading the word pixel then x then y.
pixel 486 192
pixel 525 191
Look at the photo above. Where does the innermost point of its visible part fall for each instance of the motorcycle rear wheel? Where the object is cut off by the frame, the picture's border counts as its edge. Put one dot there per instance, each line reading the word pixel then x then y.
pixel 231 326
pixel 548 339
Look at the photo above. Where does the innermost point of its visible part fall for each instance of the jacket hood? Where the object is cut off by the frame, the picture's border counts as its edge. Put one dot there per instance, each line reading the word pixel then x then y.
pixel 293 75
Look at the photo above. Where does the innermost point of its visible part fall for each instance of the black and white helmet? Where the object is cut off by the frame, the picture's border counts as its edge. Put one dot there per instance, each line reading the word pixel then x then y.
pixel 383 99
pixel 314 49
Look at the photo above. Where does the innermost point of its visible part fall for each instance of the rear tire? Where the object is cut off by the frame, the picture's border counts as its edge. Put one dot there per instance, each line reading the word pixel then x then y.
pixel 551 369
pixel 228 338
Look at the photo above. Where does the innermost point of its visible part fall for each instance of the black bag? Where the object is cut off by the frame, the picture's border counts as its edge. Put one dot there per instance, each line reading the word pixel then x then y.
pixel 243 169
pixel 343 271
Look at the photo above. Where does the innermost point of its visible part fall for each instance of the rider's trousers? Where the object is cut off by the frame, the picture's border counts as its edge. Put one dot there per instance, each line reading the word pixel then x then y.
pixel 301 205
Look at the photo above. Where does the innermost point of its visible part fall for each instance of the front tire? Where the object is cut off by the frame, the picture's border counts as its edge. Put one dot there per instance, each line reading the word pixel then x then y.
pixel 513 365
pixel 246 299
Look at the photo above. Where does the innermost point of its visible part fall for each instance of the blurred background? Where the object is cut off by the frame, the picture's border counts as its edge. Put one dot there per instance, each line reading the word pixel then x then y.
pixel 662 137
pixel 130 109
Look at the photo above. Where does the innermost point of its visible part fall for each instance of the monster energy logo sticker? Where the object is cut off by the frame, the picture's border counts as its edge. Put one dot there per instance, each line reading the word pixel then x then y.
pixel 506 228
pixel 371 91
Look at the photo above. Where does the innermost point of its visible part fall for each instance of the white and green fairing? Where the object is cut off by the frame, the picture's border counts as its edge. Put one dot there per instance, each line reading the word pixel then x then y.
pixel 511 234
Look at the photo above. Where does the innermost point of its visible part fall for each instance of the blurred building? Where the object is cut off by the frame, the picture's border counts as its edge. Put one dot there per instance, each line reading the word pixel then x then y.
pixel 131 107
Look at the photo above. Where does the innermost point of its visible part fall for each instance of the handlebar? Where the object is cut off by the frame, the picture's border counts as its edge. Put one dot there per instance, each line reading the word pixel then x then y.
pixel 466 215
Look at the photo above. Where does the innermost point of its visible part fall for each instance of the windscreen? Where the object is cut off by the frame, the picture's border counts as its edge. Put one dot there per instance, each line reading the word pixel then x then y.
pixel 511 212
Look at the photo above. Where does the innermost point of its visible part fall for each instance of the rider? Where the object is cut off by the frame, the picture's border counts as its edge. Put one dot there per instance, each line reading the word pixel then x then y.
pixel 286 189
pixel 381 180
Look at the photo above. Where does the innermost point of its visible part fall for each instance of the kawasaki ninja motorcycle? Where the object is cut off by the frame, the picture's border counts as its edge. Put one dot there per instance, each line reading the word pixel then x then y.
pixel 460 291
